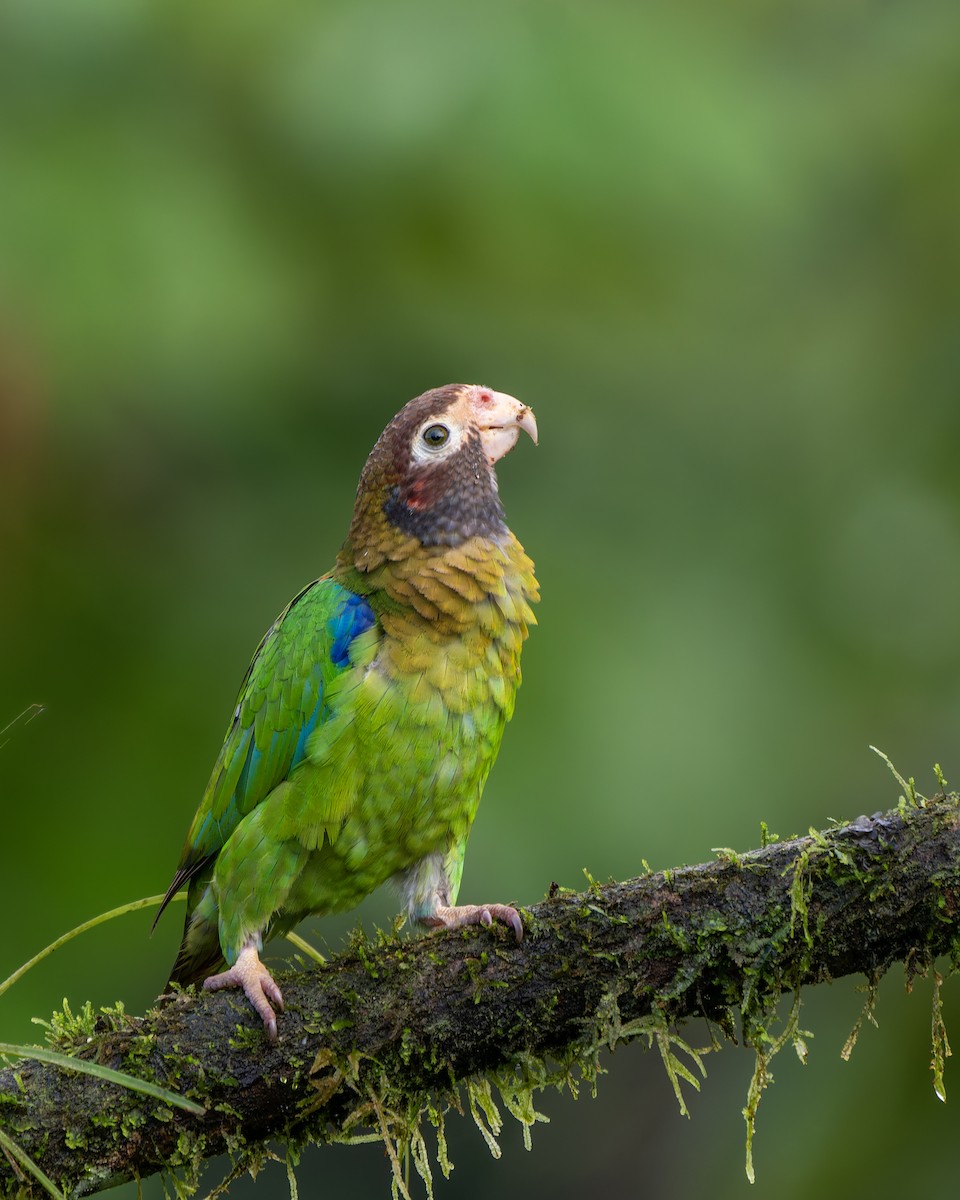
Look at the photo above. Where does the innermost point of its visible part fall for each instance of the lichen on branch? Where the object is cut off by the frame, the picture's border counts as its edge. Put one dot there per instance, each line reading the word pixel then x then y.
pixel 391 1036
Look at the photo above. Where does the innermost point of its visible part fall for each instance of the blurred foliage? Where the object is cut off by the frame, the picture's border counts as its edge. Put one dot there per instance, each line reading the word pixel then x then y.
pixel 714 246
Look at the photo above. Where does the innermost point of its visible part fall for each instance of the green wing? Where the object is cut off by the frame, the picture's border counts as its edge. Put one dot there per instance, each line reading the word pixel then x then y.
pixel 283 698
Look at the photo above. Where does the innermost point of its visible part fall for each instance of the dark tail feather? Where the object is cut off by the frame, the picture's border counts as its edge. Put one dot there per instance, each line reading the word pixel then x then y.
pixel 184 875
pixel 200 954
pixel 193 968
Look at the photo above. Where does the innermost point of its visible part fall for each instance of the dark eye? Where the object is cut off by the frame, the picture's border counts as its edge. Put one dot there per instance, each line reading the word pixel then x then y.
pixel 435 435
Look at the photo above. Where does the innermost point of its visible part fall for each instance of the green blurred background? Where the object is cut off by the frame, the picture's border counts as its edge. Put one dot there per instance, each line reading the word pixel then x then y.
pixel 716 248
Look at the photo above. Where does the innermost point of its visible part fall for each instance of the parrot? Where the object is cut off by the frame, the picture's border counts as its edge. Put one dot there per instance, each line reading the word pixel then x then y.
pixel 373 709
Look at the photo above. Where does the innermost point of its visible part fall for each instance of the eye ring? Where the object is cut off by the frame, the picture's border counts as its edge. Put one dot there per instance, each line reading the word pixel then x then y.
pixel 435 436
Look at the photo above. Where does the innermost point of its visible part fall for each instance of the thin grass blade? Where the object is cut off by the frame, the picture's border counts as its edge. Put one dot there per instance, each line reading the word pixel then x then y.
pixel 42 1054
pixel 133 906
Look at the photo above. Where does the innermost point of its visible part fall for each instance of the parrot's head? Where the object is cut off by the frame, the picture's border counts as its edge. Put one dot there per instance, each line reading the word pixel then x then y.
pixel 431 474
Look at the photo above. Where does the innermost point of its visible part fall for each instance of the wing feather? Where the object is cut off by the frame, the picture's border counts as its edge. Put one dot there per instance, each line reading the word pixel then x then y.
pixel 281 703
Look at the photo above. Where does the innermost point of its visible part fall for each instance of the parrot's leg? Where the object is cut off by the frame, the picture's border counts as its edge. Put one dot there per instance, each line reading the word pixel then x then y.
pixel 258 868
pixel 431 887
pixel 454 916
pixel 249 973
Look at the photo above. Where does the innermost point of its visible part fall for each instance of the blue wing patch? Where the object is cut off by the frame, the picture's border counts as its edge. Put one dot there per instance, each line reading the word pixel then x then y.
pixel 355 616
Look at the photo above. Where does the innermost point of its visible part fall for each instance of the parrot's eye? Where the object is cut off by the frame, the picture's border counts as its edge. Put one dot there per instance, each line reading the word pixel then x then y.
pixel 436 436
pixel 434 442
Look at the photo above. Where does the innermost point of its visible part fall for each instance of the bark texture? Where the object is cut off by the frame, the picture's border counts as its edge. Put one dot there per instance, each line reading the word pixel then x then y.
pixel 397 1024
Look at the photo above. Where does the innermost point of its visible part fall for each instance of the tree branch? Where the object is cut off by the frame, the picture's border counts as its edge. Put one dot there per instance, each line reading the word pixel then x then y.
pixel 386 1031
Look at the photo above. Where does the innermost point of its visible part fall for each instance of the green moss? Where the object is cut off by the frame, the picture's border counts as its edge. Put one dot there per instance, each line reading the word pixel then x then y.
pixel 676 935
pixel 131 1121
pixel 405 1100
pixel 247 1037
pixel 725 854
pixel 67 1031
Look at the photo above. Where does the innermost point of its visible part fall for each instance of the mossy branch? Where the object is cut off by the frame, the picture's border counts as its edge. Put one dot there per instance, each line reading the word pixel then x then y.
pixel 393 1031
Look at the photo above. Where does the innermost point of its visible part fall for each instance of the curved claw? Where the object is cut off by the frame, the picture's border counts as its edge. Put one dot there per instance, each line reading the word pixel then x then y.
pixel 259 987
pixel 476 914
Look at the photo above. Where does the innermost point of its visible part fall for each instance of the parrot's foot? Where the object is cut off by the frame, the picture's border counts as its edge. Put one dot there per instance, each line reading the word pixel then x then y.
pixel 476 914
pixel 249 973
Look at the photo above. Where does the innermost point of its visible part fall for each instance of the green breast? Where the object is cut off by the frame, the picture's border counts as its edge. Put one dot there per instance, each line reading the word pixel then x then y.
pixel 418 724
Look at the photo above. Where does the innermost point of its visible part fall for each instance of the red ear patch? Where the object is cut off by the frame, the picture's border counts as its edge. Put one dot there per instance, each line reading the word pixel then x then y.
pixel 417 495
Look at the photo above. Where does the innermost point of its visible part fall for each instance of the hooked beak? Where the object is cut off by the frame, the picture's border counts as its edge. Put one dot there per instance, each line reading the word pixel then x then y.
pixel 500 418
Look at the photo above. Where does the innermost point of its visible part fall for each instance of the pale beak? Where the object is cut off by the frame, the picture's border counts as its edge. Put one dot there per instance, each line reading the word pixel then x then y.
pixel 500 418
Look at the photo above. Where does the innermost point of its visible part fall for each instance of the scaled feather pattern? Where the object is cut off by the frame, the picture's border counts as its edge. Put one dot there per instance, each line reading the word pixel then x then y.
pixel 374 707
